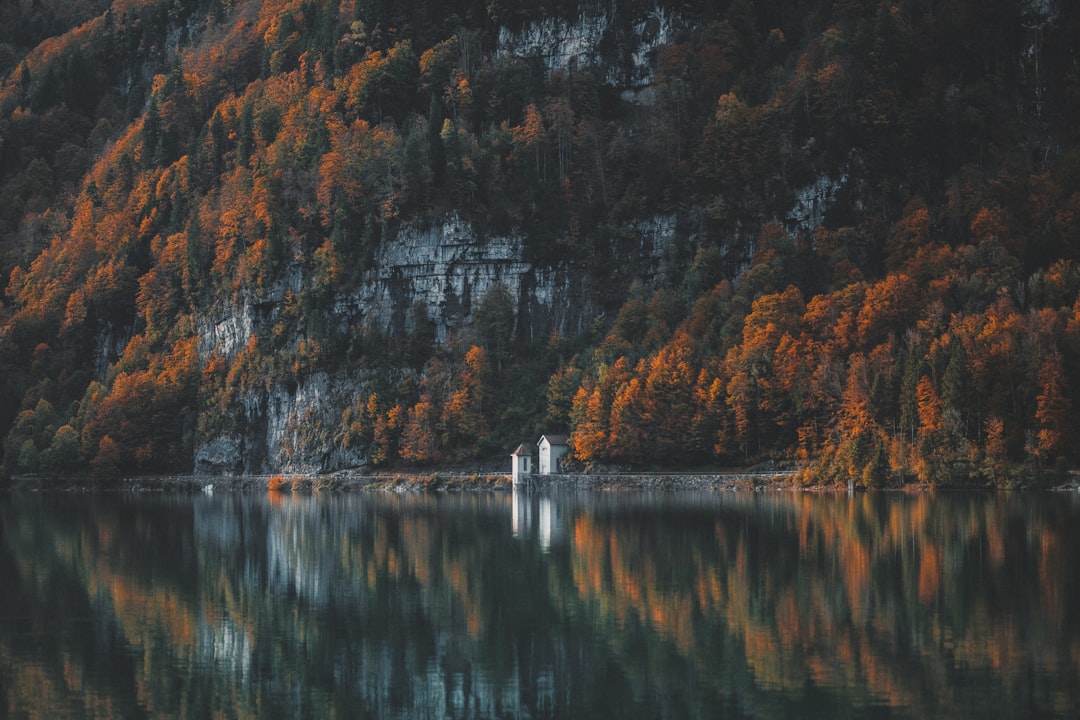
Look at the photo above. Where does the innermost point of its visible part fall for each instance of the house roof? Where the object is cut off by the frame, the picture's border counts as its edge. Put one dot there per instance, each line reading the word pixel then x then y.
pixel 553 439
pixel 521 450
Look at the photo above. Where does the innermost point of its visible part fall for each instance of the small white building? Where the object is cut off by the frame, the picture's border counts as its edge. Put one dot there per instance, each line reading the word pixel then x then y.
pixel 522 464
pixel 552 448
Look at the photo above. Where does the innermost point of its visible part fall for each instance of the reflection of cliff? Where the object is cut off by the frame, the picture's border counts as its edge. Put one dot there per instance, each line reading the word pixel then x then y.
pixel 308 605
pixel 406 578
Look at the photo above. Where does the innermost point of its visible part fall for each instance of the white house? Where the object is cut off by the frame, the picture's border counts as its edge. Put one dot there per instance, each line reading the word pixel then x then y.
pixel 522 464
pixel 552 447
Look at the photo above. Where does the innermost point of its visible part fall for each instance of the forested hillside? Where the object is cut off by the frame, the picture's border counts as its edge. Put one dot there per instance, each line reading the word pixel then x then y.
pixel 321 234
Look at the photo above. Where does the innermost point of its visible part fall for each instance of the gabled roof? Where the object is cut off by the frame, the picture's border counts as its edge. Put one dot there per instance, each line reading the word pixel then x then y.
pixel 521 450
pixel 553 439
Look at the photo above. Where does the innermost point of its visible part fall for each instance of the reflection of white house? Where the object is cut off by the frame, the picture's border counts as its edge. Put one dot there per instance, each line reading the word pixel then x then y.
pixel 522 463
pixel 552 448
pixel 534 516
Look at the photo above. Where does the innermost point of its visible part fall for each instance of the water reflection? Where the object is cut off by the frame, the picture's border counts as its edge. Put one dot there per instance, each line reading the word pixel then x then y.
pixel 540 605
pixel 536 518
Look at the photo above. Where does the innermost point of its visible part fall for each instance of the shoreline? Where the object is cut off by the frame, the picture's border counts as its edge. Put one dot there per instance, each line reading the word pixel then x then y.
pixel 460 482
pixel 449 481
pixel 439 481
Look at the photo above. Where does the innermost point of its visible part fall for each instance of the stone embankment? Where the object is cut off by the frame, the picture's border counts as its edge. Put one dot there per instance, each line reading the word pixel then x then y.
pixel 447 481
pixel 660 481
pixel 405 482
pixel 341 482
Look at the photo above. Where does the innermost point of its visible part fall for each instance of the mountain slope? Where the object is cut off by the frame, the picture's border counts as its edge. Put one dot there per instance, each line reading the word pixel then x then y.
pixel 247 236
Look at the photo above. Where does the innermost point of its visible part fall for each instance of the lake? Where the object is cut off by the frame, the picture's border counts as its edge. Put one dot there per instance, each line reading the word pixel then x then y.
pixel 568 605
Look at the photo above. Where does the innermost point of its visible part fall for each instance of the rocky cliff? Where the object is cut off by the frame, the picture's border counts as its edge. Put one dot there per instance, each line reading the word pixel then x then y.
pixel 447 269
pixel 266 235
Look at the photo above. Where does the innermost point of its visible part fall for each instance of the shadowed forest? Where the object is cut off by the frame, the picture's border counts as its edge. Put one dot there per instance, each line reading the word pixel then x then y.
pixel 873 270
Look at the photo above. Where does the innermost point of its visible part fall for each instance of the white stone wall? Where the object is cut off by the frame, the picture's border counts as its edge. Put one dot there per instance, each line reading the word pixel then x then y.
pixel 561 44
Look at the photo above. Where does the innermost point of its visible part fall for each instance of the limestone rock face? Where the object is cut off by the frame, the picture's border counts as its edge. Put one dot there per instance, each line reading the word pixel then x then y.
pixel 449 269
pixel 446 268
pixel 562 44
pixel 221 455
pixel 813 201
pixel 295 425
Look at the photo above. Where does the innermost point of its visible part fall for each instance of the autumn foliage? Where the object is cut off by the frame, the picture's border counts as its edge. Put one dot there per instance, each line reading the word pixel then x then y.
pixel 873 272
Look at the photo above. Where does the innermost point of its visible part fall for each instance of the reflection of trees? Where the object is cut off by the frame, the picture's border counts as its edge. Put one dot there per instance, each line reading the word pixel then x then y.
pixel 380 601
pixel 301 605
pixel 81 588
pixel 902 601
pixel 422 605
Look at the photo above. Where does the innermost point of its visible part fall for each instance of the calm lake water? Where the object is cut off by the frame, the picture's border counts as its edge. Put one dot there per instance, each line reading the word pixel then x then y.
pixel 617 605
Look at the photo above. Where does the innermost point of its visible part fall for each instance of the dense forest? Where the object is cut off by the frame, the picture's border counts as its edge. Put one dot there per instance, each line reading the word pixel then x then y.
pixel 872 270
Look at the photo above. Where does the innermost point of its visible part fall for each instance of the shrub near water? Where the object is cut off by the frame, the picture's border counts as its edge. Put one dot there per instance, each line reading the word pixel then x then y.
pixel 278 483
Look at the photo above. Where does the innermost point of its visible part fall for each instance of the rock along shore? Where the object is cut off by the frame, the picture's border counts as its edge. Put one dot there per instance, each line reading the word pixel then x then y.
pixel 407 482
pixel 341 482
pixel 415 482
pixel 442 481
